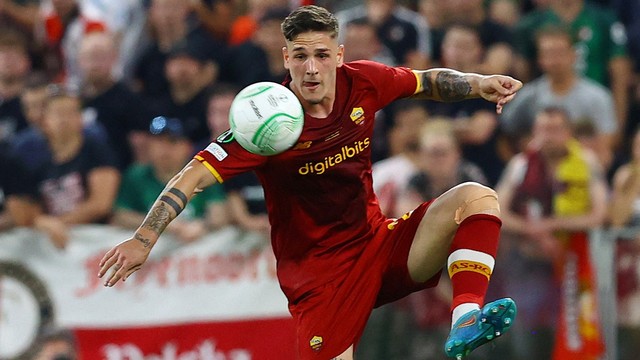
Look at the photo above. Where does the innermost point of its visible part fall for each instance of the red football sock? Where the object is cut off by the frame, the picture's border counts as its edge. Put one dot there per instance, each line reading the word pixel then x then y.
pixel 472 258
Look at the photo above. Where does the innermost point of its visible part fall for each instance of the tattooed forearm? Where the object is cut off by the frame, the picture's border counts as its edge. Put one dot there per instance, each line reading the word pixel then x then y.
pixel 158 218
pixel 174 205
pixel 180 196
pixel 452 86
pixel 146 242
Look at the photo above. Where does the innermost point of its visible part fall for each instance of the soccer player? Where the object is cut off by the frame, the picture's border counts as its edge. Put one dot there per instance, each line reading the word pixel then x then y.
pixel 337 256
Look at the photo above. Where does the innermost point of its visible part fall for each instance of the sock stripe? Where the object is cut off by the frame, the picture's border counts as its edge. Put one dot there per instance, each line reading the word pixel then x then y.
pixel 470 260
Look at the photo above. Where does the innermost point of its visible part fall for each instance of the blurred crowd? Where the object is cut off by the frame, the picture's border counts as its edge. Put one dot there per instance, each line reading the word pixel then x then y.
pixel 102 102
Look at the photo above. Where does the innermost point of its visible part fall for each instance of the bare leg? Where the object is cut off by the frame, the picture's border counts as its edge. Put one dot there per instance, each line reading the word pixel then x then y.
pixel 346 355
pixel 432 242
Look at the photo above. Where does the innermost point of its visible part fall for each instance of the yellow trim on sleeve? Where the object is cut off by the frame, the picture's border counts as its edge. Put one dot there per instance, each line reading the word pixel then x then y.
pixel 418 82
pixel 210 168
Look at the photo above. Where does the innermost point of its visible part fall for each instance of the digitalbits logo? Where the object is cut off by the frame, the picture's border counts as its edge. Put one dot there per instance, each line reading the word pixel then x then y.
pixel 204 351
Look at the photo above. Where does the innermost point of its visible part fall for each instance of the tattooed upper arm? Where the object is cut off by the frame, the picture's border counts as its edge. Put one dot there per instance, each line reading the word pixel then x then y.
pixel 452 86
pixel 426 82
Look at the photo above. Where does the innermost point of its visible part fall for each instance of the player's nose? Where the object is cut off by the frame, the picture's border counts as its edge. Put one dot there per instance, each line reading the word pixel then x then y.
pixel 311 68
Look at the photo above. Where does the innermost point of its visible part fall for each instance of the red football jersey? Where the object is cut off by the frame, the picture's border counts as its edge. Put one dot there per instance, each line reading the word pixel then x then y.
pixel 319 194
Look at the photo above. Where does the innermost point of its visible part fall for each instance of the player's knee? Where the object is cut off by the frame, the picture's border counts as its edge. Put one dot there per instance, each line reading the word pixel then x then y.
pixel 474 199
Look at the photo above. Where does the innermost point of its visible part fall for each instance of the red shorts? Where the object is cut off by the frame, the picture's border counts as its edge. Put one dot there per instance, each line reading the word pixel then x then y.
pixel 332 317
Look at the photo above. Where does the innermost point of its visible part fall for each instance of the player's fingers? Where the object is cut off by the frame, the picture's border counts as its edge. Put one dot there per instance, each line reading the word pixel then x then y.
pixel 106 256
pixel 118 272
pixel 131 271
pixel 107 263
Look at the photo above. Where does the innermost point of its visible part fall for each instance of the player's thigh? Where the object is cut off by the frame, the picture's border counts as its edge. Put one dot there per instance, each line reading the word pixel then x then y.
pixel 432 240
pixel 346 355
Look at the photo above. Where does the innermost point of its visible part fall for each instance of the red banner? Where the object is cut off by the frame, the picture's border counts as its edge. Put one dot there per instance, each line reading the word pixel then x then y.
pixel 235 340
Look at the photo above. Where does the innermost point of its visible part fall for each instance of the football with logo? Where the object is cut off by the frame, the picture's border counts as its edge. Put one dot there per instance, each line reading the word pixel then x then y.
pixel 266 118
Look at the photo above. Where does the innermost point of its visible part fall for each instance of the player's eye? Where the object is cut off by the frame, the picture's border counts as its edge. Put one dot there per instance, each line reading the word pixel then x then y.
pixel 323 55
pixel 299 57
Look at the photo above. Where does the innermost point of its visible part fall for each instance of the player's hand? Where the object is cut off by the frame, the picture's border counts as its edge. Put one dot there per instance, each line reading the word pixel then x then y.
pixel 499 89
pixel 123 260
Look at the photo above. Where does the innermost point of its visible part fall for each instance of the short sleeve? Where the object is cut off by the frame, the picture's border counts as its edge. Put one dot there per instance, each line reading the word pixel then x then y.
pixel 391 83
pixel 226 158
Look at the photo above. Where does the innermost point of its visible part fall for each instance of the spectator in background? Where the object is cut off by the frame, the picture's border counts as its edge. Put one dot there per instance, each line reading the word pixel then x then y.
pixel 600 41
pixel 109 102
pixel 475 123
pixel 404 32
pixel 189 72
pixel 362 41
pixel 495 39
pixel 391 175
pixel 551 195
pixel 169 24
pixel 505 12
pixel 245 25
pixel 29 144
pixel 17 192
pixel 220 98
pixel 585 100
pixel 624 212
pixel 216 16
pixel 80 182
pixel 169 150
pixel 19 15
pixel 63 25
pixel 126 20
pixel 14 70
pixel 440 165
pixel 56 344
pixel 260 57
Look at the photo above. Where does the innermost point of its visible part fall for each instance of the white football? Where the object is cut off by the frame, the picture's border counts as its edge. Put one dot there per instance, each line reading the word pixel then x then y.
pixel 266 118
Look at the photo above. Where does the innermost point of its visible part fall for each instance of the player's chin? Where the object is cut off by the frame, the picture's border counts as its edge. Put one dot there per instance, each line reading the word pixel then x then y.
pixel 313 100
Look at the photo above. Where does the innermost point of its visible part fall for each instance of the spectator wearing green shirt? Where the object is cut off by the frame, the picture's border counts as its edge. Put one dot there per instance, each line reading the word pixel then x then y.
pixel 169 150
pixel 600 41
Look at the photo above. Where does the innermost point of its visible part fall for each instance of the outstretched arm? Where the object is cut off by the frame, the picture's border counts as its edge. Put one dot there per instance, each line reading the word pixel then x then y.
pixel 128 256
pixel 450 85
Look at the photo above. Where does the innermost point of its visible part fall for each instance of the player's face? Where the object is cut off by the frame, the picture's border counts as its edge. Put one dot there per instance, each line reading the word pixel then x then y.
pixel 312 59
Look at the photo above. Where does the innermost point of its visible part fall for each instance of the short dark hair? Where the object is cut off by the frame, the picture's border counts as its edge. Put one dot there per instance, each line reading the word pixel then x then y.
pixel 309 18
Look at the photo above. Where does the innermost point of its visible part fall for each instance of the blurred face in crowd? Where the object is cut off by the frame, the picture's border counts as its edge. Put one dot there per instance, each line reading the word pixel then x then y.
pixel 361 42
pixel 218 112
pixel 56 349
pixel 97 56
pixel 33 101
pixel 64 7
pixel 14 63
pixel 440 154
pixel 269 37
pixel 168 154
pixel 169 14
pixel 183 71
pixel 551 132
pixel 403 135
pixel 62 119
pixel 461 49
pixel 312 59
pixel 556 55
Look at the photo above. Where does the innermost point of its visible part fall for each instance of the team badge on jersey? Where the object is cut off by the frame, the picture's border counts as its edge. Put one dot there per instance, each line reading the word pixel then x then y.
pixel 357 115
pixel 316 343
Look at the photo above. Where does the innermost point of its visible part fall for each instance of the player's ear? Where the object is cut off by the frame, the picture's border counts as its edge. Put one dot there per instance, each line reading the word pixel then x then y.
pixel 285 57
pixel 340 55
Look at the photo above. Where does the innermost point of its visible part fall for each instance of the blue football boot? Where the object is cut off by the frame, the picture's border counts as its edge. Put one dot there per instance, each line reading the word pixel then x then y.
pixel 478 327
